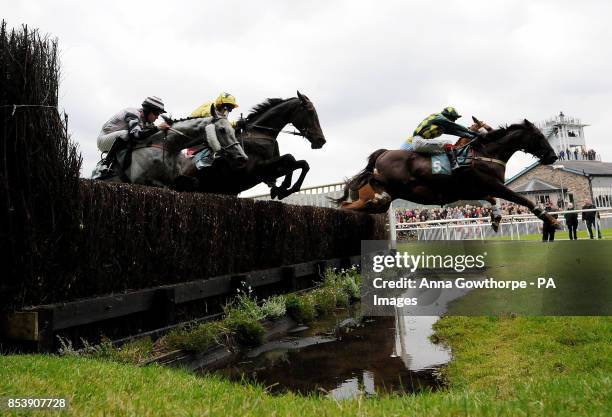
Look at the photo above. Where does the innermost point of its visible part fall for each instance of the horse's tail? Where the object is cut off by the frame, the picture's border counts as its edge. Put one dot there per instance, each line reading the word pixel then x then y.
pixel 361 179
pixel 338 201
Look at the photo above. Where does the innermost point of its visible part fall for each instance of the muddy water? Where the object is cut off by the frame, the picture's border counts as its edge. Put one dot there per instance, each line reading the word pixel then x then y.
pixel 344 356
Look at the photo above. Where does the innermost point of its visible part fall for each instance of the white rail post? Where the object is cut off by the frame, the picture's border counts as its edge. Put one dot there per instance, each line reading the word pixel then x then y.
pixel 392 227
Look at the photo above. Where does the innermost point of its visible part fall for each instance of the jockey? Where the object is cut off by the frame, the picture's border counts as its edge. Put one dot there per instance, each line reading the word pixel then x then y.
pixel 224 104
pixel 130 125
pixel 426 139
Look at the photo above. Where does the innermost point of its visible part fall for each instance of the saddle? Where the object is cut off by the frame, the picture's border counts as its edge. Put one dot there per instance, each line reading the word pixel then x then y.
pixel 440 165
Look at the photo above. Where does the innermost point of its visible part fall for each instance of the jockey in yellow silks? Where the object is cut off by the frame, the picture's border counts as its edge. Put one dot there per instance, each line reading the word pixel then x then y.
pixel 224 104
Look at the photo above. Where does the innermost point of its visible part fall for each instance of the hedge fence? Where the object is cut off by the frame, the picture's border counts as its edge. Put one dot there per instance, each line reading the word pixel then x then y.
pixel 65 238
pixel 39 169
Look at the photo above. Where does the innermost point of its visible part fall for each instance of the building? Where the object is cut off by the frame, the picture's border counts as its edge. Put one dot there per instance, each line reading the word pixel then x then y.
pixel 569 181
pixel 578 175
pixel 568 135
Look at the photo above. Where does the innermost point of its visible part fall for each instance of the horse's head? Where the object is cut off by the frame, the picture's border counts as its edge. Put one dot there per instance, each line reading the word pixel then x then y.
pixel 479 126
pixel 536 144
pixel 228 146
pixel 525 136
pixel 306 120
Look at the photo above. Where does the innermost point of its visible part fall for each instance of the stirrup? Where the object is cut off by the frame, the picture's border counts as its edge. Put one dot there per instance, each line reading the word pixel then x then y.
pixel 452 159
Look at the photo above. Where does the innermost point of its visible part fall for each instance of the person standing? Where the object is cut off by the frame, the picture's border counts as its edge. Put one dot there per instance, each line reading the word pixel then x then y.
pixel 548 230
pixel 571 220
pixel 589 218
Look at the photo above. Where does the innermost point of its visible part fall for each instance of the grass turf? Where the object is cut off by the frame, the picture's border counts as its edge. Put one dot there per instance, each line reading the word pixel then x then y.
pixel 516 366
pixel 104 388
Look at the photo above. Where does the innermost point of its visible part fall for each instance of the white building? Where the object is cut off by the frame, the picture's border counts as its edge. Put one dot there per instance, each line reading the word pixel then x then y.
pixel 569 133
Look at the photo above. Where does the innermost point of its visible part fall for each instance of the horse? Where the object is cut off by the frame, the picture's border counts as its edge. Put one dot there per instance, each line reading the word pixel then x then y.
pixel 408 175
pixel 158 161
pixel 259 139
pixel 359 198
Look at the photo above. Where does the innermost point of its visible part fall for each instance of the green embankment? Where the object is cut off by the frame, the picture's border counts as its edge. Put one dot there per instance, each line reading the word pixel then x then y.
pixel 510 365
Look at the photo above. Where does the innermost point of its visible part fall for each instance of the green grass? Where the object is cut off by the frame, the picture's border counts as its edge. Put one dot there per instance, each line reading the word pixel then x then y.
pixel 502 366
pixel 501 351
pixel 581 272
pixel 559 234
pixel 103 388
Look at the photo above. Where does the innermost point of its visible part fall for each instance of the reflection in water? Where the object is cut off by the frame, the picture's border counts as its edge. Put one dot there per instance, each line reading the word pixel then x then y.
pixel 382 354
pixel 412 343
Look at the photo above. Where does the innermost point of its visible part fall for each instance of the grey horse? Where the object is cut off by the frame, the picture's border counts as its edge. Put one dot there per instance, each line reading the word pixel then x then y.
pixel 158 161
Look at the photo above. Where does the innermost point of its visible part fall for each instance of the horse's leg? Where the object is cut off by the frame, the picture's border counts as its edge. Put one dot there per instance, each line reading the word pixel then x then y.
pixel 284 165
pixel 496 214
pixel 364 202
pixel 303 166
pixel 507 194
pixel 286 183
pixel 268 171
pixel 377 199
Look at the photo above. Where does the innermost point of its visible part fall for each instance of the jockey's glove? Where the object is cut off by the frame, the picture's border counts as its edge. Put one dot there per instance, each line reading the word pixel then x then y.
pixel 144 134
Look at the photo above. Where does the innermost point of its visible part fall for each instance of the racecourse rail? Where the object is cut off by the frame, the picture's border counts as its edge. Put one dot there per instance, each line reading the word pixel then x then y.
pixel 513 227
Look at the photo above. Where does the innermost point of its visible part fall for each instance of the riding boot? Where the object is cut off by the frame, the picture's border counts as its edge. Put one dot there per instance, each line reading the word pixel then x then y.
pixel 110 164
pixel 452 157
pixel 106 164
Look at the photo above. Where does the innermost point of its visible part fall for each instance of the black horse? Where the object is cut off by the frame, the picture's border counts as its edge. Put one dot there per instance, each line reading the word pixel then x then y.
pixel 259 140
pixel 408 175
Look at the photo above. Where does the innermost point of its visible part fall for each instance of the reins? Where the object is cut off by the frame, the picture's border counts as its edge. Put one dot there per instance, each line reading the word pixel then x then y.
pixel 482 158
pixel 291 132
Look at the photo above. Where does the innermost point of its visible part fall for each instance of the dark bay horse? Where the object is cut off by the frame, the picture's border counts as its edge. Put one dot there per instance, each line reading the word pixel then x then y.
pixel 408 175
pixel 259 139
pixel 359 198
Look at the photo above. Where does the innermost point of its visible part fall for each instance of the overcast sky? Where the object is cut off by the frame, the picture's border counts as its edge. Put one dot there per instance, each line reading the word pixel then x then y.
pixel 373 70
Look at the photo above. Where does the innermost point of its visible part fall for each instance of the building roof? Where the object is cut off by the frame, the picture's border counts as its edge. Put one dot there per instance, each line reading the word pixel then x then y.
pixel 595 168
pixel 536 185
pixel 584 168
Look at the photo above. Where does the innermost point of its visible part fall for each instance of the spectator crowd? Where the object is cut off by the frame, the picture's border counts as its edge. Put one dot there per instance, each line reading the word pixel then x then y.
pixel 577 155
pixel 461 212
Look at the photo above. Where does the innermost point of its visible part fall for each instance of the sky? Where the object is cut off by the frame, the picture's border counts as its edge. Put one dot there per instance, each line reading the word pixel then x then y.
pixel 373 70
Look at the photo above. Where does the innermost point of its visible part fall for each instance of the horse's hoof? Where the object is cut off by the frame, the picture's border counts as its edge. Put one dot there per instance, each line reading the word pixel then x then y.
pixel 283 193
pixel 274 192
pixel 495 227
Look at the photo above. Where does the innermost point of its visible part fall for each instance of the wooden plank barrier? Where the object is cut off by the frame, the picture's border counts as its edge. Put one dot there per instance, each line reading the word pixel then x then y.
pixel 39 324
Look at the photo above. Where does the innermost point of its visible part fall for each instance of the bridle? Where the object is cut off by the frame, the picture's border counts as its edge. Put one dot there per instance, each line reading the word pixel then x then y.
pixel 300 132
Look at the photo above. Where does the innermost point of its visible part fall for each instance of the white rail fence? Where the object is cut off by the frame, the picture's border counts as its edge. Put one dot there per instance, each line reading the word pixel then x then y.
pixel 514 227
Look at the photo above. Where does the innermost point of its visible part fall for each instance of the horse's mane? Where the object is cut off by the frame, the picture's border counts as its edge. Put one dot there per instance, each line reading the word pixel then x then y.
pixel 503 130
pixel 263 107
pixel 189 118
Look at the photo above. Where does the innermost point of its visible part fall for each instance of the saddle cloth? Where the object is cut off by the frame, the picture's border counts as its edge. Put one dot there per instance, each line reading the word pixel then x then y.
pixel 440 164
